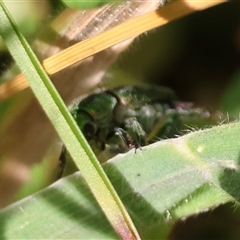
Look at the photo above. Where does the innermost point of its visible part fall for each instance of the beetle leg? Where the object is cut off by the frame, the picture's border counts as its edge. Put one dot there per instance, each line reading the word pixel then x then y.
pixel 135 131
pixel 125 137
pixel 133 136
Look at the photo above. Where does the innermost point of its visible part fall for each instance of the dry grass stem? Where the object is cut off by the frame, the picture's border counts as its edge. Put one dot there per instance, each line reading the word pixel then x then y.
pixel 104 40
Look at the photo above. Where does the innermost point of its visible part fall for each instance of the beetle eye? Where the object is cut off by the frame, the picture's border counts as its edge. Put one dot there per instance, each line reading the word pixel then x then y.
pixel 89 130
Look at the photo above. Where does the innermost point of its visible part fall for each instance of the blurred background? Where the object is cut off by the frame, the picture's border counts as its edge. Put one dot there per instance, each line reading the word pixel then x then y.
pixel 198 56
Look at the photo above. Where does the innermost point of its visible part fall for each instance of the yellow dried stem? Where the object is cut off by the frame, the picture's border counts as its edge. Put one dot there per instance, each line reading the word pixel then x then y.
pixel 104 40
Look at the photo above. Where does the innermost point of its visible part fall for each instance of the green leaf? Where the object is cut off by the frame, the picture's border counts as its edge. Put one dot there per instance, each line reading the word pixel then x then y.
pixel 160 183
pixel 81 4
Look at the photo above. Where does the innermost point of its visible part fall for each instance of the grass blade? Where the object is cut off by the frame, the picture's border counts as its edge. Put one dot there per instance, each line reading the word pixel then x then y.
pixel 66 127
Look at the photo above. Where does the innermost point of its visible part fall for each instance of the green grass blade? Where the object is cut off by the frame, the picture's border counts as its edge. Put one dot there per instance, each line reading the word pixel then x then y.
pixel 65 126
pixel 162 182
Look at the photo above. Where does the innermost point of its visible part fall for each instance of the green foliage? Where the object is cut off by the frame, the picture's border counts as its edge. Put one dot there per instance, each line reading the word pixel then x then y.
pixel 231 101
pixel 158 184
pixel 79 4
pixel 162 182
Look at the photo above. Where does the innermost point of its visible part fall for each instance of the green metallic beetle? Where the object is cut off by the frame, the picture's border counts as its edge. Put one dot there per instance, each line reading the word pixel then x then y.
pixel 122 118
